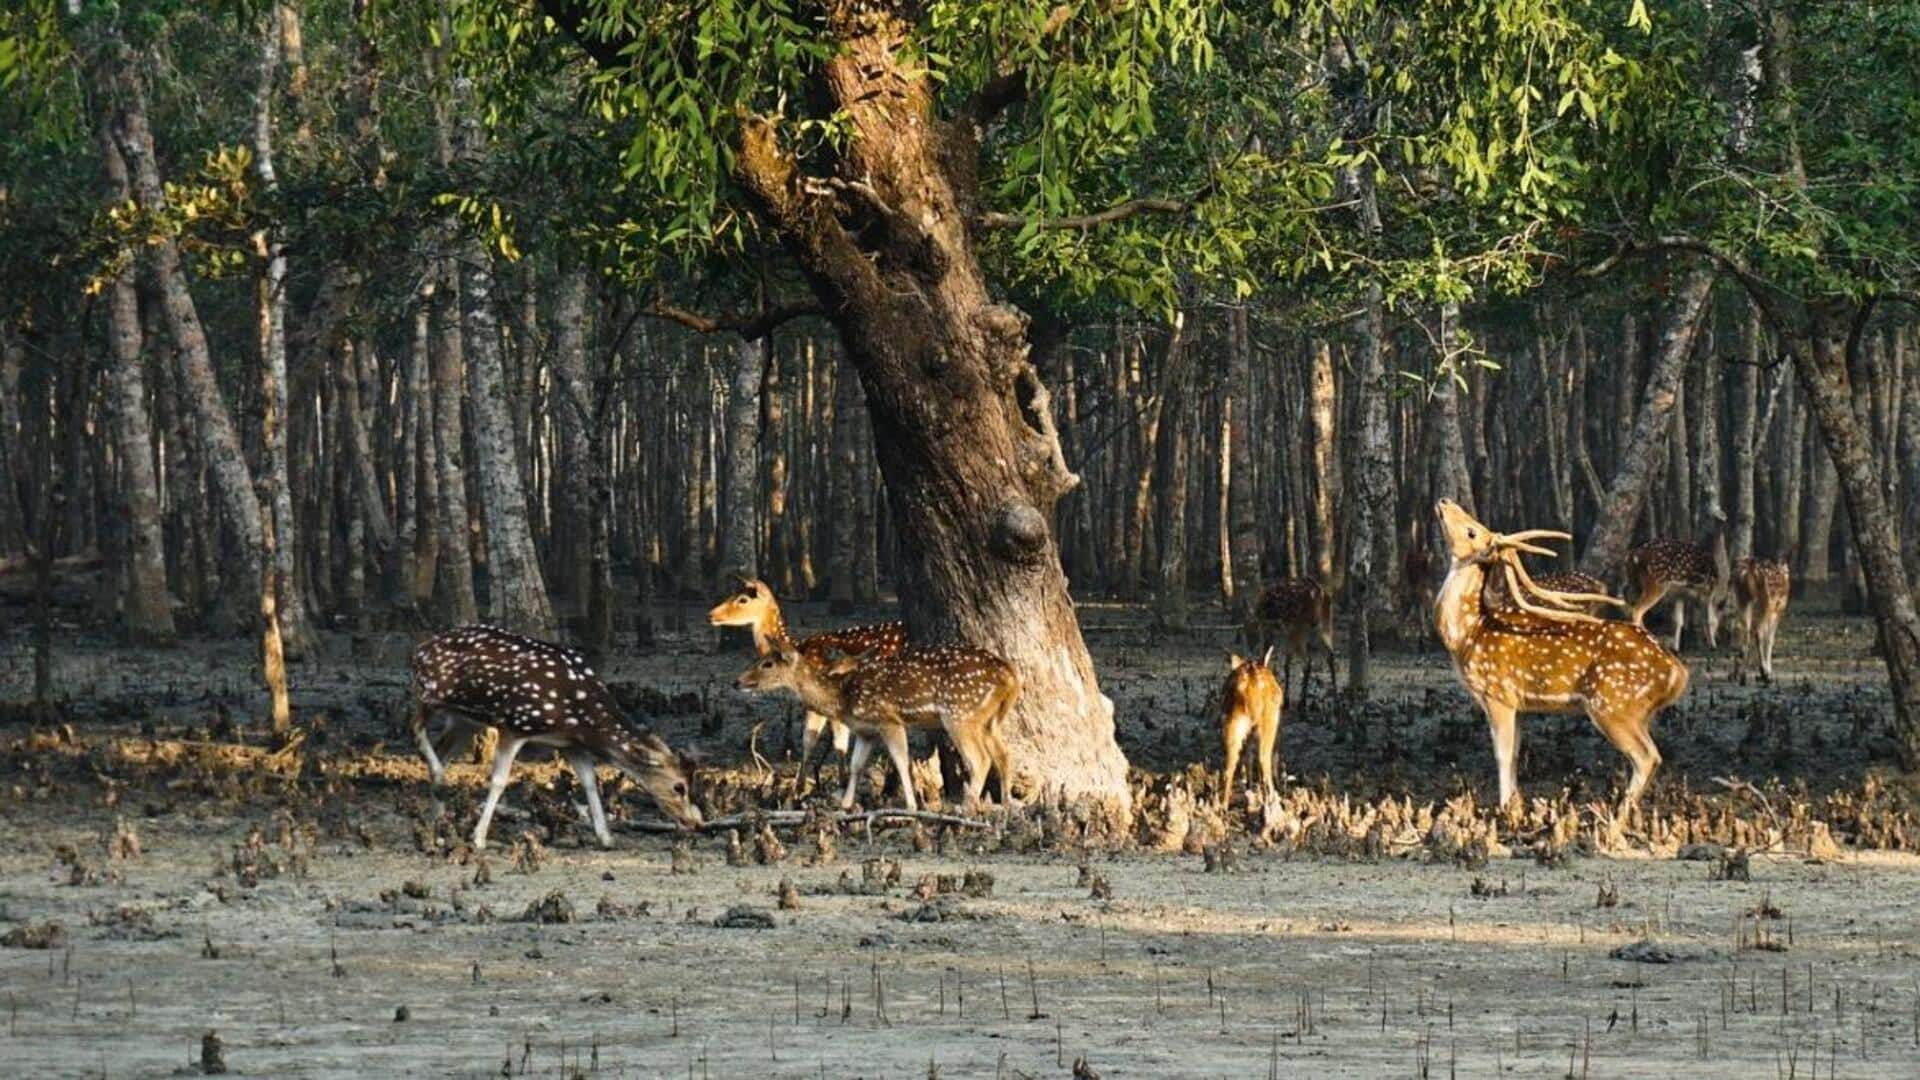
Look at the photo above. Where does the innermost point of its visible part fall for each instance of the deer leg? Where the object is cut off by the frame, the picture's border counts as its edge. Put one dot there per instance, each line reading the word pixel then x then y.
pixel 502 771
pixel 1679 622
pixel 455 741
pixel 862 749
pixel 1333 676
pixel 583 763
pixel 1628 735
pixel 1234 735
pixel 1713 622
pixel 1768 629
pixel 895 740
pixel 809 742
pixel 418 721
pixel 1502 726
pixel 1269 732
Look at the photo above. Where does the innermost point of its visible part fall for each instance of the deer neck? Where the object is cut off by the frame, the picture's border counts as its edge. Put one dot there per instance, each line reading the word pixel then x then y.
pixel 1457 609
pixel 770 632
pixel 820 692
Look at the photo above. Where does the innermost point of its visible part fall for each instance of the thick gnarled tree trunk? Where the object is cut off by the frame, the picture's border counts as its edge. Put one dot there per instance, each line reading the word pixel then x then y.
pixel 961 420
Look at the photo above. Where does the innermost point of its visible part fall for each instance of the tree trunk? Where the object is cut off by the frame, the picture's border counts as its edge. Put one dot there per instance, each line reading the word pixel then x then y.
pixel 1242 504
pixel 844 533
pixel 1172 370
pixel 147 610
pixel 1451 478
pixel 1642 455
pixel 516 590
pixel 1823 371
pixel 968 448
pixel 218 442
pixel 740 492
pixel 1170 589
pixel 1747 434
pixel 297 638
pixel 1910 457
pixel 1324 480
pixel 573 409
pixel 1823 499
pixel 1371 564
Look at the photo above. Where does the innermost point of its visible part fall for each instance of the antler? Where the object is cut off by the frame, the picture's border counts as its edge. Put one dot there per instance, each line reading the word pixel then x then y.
pixel 1521 586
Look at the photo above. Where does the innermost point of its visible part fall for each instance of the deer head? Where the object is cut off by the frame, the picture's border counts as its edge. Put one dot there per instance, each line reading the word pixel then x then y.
pixel 1469 543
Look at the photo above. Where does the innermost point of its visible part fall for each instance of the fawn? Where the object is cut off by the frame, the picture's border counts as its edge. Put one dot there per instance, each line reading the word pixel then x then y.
pixel 1685 568
pixel 753 605
pixel 540 693
pixel 964 692
pixel 1299 612
pixel 1760 588
pixel 1251 702
pixel 1548 655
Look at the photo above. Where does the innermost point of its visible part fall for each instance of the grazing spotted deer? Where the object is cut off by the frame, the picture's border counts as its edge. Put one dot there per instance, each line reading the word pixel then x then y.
pixel 1298 612
pixel 964 692
pixel 539 693
pixel 753 605
pixel 1547 655
pixel 1251 703
pixel 1496 598
pixel 1760 588
pixel 1683 568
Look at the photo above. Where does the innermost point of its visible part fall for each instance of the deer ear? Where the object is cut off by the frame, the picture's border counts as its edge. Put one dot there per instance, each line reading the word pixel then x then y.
pixel 1234 661
pixel 693 758
pixel 788 654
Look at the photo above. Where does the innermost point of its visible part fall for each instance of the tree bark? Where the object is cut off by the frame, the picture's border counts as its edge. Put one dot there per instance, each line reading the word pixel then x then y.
pixel 1321 408
pixel 1372 568
pixel 218 442
pixel 1170 608
pixel 1823 499
pixel 1910 457
pixel 1747 433
pixel 1242 505
pixel 1451 478
pixel 740 491
pixel 1641 457
pixel 573 409
pixel 147 609
pixel 967 444
pixel 1823 368
pixel 516 590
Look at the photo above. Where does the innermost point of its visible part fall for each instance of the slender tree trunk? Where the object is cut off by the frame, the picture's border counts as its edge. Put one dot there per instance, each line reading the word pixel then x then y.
pixel 1910 457
pixel 295 628
pixel 573 409
pixel 14 464
pixel 1746 435
pixel 740 493
pixel 1372 568
pixel 1172 371
pixel 516 589
pixel 1242 504
pixel 1451 478
pixel 1321 410
pixel 1823 499
pixel 1170 608
pixel 1641 458
pixel 147 610
pixel 218 442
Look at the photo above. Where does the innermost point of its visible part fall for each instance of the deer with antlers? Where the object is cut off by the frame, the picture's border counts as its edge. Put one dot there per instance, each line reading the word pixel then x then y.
pixel 1760 588
pixel 1250 704
pixel 964 692
pixel 541 694
pixel 1297 612
pixel 1683 568
pixel 1549 655
pixel 753 605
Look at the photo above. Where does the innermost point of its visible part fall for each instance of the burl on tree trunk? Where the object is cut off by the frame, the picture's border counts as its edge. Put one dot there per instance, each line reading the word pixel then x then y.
pixel 961 420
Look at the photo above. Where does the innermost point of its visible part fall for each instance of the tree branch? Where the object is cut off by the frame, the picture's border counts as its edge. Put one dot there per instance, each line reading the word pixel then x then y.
pixel 1764 292
pixel 751 327
pixel 993 219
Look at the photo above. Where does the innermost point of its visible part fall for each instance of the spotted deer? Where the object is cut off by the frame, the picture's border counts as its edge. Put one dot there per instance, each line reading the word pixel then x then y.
pixel 1760 588
pixel 1497 598
pixel 1686 569
pixel 964 692
pixel 1250 703
pixel 542 694
pixel 753 605
pixel 1547 655
pixel 1299 613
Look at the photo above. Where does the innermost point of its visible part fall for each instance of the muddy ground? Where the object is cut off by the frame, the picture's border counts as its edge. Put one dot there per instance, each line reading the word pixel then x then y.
pixel 316 908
